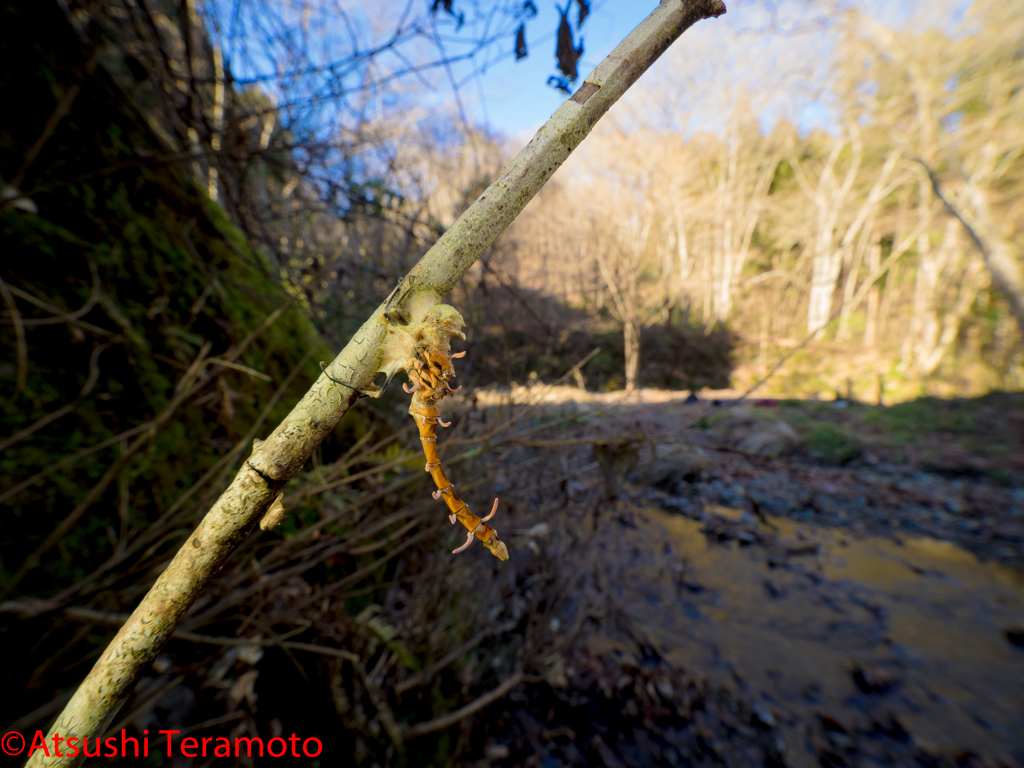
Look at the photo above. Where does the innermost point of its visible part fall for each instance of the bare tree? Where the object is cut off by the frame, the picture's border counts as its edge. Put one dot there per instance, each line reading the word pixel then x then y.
pixel 738 177
pixel 966 107
pixel 828 193
pixel 624 256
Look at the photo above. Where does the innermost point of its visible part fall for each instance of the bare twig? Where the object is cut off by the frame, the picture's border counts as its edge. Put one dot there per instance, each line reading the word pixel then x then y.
pixel 59 315
pixel 427 674
pixel 68 461
pixel 440 723
pixel 19 336
pixel 117 619
pixel 185 390
pixel 236 367
pixel 154 532
pixel 58 114
pixel 90 382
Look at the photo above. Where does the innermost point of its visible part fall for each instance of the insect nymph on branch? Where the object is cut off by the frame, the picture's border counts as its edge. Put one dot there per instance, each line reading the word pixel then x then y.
pixel 426 356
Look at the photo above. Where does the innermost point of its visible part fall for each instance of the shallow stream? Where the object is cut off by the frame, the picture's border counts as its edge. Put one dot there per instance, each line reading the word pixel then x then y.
pixel 904 638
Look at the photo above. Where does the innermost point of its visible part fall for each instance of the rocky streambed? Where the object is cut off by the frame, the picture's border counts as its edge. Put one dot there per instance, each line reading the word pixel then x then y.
pixel 774 598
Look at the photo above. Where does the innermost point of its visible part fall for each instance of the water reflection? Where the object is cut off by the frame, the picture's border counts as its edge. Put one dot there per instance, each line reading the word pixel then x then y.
pixel 815 622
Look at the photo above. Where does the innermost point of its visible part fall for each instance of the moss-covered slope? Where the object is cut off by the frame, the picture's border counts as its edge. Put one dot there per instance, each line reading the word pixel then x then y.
pixel 150 271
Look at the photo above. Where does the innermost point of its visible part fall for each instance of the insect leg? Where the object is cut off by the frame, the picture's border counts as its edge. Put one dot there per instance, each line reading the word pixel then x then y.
pixel 464 547
pixel 494 511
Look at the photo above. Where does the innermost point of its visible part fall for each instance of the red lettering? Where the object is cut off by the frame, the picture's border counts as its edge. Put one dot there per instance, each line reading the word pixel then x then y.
pixel 185 745
pixel 39 742
pixel 226 746
pixel 270 747
pixel 145 744
pixel 111 744
pixel 206 739
pixel 248 745
pixel 85 747
pixel 70 741
pixel 294 741
pixel 56 745
pixel 170 739
pixel 124 744
pixel 319 747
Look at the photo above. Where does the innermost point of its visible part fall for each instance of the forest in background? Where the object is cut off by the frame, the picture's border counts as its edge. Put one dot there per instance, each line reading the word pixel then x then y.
pixel 684 253
pixel 857 234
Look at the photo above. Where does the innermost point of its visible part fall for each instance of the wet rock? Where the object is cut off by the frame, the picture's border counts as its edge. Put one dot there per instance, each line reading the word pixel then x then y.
pixel 839 505
pixel 831 724
pixel 762 716
pixel 872 679
pixel 891 728
pixel 672 468
pixel 829 759
pixel 724 494
pixel 969 759
pixel 747 532
pixel 561 732
pixel 608 757
pixel 755 434
pixel 799 550
pixel 774 439
pixel 496 752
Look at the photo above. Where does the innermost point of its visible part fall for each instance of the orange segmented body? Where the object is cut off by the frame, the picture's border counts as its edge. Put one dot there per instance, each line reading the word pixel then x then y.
pixel 430 372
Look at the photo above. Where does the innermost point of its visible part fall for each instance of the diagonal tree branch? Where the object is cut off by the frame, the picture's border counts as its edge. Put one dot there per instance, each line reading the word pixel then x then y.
pixel 1005 272
pixel 372 350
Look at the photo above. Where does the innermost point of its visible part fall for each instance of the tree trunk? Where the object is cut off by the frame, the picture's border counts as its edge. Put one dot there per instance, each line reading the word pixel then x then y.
pixel 1007 276
pixel 871 322
pixel 631 341
pixel 823 286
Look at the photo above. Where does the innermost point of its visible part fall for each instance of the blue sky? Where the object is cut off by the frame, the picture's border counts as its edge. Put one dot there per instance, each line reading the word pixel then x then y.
pixel 778 51
pixel 513 97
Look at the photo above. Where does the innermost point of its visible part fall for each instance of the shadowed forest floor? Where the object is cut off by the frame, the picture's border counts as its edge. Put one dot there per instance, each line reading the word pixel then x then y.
pixel 796 583
pixel 772 583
